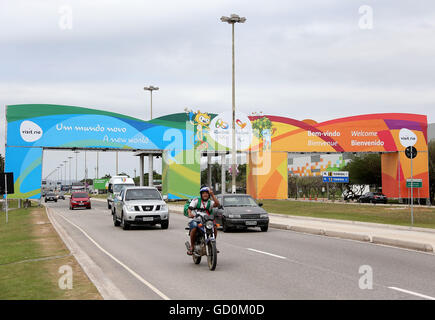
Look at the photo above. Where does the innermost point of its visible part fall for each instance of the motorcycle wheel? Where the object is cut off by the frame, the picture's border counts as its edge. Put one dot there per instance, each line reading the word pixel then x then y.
pixel 211 255
pixel 196 259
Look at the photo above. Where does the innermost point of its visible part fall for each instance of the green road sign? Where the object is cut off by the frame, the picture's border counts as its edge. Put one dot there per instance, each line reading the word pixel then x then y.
pixel 414 183
pixel 100 184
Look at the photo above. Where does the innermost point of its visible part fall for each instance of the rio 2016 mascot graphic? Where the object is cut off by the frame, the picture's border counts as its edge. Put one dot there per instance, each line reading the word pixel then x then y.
pixel 201 122
pixel 263 130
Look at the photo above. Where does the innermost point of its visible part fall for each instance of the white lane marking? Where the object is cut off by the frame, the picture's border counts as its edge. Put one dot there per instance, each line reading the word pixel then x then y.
pixel 137 276
pixel 413 293
pixel 267 253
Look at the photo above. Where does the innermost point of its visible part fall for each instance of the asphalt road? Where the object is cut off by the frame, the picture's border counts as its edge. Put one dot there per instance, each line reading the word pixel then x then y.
pixel 278 264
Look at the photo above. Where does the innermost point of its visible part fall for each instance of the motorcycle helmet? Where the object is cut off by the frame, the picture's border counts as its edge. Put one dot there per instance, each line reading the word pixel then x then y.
pixel 204 189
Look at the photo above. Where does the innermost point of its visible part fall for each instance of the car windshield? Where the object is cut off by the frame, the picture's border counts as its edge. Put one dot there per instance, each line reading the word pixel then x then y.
pixel 237 201
pixel 142 194
pixel 118 187
pixel 80 195
pixel 50 194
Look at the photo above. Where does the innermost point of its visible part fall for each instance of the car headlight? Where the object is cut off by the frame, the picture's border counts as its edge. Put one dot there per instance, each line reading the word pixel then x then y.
pixel 163 207
pixel 234 216
pixel 263 215
pixel 130 208
pixel 209 224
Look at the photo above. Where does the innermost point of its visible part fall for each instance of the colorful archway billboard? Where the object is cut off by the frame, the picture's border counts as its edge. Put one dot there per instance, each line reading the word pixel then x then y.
pixel 181 137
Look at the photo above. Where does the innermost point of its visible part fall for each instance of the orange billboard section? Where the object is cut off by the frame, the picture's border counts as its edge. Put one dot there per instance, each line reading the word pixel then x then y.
pixel 267 176
pixel 365 133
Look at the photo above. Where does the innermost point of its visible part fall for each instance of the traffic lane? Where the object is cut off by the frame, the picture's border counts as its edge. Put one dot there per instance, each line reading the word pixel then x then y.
pixel 126 283
pixel 391 266
pixel 241 274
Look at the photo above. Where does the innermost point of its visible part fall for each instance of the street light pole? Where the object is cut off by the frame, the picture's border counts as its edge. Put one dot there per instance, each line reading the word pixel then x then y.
pixel 151 89
pixel 150 156
pixel 61 178
pixel 96 173
pixel 66 162
pixel 70 181
pixel 76 152
pixel 233 19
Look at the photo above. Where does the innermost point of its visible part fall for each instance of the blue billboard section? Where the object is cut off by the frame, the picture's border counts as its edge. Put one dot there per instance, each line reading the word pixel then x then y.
pixel 32 127
pixel 96 131
pixel 26 164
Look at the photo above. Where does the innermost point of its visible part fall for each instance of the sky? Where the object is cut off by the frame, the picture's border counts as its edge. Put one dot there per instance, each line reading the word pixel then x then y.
pixel 312 59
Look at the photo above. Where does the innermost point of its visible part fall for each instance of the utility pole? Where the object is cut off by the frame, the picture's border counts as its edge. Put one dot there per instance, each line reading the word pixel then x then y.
pixel 96 173
pixel 233 19
pixel 117 172
pixel 70 181
pixel 76 152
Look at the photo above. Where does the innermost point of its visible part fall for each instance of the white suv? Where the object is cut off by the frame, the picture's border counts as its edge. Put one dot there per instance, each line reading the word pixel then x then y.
pixel 140 206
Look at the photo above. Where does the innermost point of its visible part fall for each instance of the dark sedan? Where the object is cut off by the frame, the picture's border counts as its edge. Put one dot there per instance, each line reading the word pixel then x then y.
pixel 241 211
pixel 373 197
pixel 50 197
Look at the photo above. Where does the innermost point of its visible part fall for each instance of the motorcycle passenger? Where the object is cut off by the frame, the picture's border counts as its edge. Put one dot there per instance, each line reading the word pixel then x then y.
pixel 205 195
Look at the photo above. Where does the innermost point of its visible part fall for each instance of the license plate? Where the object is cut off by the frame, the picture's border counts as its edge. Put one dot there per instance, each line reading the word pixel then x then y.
pixel 147 218
pixel 251 223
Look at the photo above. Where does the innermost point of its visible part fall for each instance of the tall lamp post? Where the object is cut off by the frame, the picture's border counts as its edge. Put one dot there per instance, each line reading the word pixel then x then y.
pixel 233 19
pixel 66 162
pixel 151 89
pixel 70 181
pixel 150 156
pixel 58 176
pixel 76 152
pixel 61 178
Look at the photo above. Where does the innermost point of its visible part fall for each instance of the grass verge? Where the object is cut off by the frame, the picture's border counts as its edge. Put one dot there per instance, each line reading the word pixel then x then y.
pixel 31 254
pixel 396 215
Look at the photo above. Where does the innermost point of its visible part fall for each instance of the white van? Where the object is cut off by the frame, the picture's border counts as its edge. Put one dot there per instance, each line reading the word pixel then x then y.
pixel 116 184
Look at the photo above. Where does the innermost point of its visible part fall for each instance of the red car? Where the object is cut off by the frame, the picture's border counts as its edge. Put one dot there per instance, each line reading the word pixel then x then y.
pixel 79 199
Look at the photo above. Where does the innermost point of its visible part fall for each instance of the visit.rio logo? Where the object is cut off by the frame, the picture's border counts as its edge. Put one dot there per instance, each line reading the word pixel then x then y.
pixel 30 131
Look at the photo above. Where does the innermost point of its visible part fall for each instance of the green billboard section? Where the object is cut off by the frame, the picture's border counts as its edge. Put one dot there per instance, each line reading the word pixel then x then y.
pixel 181 175
pixel 100 184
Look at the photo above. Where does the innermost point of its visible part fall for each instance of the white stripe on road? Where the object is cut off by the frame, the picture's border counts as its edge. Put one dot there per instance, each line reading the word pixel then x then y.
pixel 413 293
pixel 267 253
pixel 137 276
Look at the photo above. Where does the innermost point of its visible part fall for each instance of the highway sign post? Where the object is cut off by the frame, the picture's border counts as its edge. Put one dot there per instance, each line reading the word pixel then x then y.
pixel 414 183
pixel 334 177
pixel 7 187
pixel 408 139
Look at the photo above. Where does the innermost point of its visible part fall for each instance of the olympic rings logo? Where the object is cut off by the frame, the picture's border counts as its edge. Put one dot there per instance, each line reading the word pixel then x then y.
pixel 221 124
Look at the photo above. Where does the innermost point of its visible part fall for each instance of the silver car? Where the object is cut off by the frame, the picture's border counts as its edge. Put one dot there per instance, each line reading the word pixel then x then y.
pixel 140 206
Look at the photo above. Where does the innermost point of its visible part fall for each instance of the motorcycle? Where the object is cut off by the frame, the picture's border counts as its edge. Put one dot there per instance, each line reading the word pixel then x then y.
pixel 205 241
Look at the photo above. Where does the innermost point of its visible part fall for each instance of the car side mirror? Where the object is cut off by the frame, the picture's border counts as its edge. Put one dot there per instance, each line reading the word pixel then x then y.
pixel 165 197
pixel 260 204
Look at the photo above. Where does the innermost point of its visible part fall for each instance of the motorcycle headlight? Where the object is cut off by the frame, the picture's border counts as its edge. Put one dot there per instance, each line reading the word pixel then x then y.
pixel 234 216
pixel 209 224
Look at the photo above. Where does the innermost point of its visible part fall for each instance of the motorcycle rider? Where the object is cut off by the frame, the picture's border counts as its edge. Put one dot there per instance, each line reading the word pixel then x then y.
pixel 205 195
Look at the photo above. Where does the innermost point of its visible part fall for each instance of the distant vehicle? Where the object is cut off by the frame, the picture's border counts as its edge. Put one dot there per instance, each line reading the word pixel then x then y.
pixel 50 197
pixel 373 197
pixel 140 206
pixel 61 195
pixel 116 184
pixel 241 211
pixel 79 200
